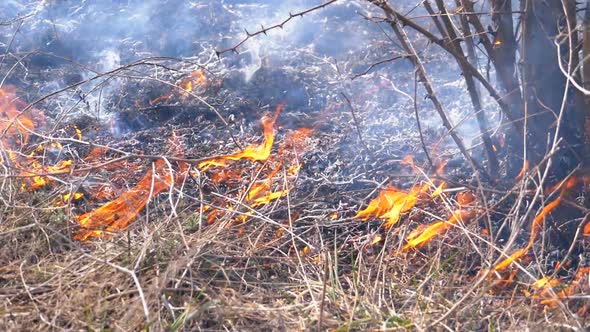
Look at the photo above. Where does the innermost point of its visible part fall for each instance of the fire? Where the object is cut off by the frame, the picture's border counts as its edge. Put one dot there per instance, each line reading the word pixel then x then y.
pixel 261 192
pixel 573 288
pixel 523 171
pixel 536 225
pixel 535 228
pixel 255 152
pixel 195 79
pixel 389 205
pixel 116 214
pixel 269 198
pixel 441 168
pixel 425 234
pixel 549 296
pixel 13 124
pixel 439 190
pixel 75 197
pixel 376 240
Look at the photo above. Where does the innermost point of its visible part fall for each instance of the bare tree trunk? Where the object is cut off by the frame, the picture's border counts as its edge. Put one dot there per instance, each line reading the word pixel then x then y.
pixel 543 83
pixel 586 80
pixel 503 54
pixel 452 39
pixel 426 82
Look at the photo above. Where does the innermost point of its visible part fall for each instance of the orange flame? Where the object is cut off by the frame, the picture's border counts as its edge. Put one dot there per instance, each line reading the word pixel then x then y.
pixel 389 205
pixel 536 226
pixel 583 272
pixel 376 240
pixel 424 235
pixel 523 170
pixel 439 190
pixel 441 168
pixel 197 77
pixel 116 214
pixel 269 198
pixel 255 152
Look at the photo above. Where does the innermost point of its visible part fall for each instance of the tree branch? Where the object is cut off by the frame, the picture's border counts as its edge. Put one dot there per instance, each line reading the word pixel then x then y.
pixel 264 30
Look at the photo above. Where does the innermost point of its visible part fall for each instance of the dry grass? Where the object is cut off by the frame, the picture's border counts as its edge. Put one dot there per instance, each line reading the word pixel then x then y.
pixel 169 273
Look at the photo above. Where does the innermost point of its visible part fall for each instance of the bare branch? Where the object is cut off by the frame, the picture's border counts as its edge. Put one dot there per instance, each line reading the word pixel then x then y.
pixel 264 30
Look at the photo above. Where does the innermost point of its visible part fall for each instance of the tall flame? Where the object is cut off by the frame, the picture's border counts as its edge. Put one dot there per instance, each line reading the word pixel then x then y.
pixel 536 226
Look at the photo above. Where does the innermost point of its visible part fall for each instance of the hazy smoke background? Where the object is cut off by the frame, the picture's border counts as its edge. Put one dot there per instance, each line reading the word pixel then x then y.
pixel 313 58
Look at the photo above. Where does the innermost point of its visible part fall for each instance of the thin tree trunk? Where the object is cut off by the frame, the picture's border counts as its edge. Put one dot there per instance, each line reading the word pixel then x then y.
pixel 427 83
pixel 586 80
pixel 543 82
pixel 471 88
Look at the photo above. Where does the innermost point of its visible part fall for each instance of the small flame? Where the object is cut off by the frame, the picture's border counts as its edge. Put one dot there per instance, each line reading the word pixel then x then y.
pixel 78 133
pixel 523 170
pixel 441 168
pixel 439 190
pixel 255 152
pixel 424 235
pixel 76 196
pixel 583 272
pixel 269 198
pixel 389 204
pixel 535 229
pixel 537 224
pixel 376 240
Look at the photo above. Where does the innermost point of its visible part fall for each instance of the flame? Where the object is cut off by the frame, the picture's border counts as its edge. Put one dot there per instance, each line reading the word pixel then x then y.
pixel 567 291
pixel 424 235
pixel 389 205
pixel 544 288
pixel 75 197
pixel 78 132
pixel 441 168
pixel 439 190
pixel 118 213
pixel 269 198
pixel 187 84
pixel 409 160
pixel 255 152
pixel 14 126
pixel 535 228
pixel 376 240
pixel 465 198
pixel 522 172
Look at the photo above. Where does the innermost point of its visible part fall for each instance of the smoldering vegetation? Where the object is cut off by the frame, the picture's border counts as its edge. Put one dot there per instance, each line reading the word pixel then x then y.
pixel 164 176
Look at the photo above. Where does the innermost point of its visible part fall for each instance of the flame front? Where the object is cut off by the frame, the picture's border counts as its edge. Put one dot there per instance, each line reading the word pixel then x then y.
pixel 425 234
pixel 255 152
pixel 390 204
pixel 116 214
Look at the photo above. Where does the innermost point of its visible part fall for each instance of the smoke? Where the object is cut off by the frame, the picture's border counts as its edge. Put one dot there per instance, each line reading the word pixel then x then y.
pixel 306 63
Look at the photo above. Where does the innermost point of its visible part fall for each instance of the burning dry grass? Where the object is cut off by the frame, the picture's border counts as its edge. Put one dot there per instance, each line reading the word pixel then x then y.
pixel 253 240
